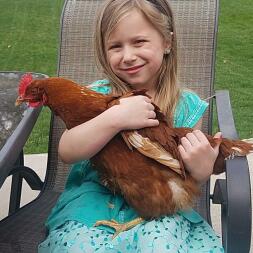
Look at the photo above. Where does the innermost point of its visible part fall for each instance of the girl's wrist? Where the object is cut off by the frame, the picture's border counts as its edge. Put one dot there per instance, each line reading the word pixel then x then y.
pixel 200 178
pixel 200 173
pixel 113 116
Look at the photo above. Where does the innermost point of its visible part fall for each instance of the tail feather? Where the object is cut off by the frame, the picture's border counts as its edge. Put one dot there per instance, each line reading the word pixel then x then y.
pixel 236 147
pixel 249 141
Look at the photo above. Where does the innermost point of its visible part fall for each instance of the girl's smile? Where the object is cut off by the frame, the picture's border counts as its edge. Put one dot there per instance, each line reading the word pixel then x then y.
pixel 135 51
pixel 134 69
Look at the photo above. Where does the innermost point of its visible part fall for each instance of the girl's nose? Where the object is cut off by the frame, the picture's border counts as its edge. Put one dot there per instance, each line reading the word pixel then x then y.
pixel 129 55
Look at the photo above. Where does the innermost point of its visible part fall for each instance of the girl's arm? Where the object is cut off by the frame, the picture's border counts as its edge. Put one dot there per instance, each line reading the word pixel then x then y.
pixel 197 153
pixel 84 141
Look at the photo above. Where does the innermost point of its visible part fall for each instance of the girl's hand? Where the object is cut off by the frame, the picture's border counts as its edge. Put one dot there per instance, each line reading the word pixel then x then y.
pixel 134 113
pixel 198 155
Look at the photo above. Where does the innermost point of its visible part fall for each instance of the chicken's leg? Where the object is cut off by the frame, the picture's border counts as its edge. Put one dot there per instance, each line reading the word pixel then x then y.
pixel 119 227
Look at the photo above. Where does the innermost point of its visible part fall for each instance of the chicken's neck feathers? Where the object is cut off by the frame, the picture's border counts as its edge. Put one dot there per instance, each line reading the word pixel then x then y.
pixel 66 98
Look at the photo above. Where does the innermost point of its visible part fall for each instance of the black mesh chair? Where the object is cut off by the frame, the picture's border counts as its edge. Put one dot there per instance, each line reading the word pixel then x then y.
pixel 196 23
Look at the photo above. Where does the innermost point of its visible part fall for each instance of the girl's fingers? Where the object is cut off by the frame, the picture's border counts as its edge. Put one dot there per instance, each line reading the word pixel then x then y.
pixel 200 136
pixel 152 122
pixel 217 136
pixel 150 107
pixel 186 144
pixel 152 115
pixel 148 100
pixel 192 138
pixel 182 151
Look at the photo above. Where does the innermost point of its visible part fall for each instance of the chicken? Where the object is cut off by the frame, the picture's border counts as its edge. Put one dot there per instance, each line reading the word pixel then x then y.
pixel 143 165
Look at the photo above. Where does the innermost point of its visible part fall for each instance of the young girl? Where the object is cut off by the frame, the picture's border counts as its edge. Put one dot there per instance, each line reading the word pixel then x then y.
pixel 136 46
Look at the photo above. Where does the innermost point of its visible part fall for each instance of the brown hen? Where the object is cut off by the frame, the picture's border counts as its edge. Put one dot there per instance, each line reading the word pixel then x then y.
pixel 143 165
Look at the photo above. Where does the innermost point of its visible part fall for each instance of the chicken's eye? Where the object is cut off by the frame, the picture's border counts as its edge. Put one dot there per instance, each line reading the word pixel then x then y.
pixel 34 91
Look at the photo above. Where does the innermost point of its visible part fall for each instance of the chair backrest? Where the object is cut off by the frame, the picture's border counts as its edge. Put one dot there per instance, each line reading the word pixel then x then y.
pixel 196 25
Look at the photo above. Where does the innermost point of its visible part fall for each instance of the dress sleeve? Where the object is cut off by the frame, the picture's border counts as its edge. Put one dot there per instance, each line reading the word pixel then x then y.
pixel 101 86
pixel 189 110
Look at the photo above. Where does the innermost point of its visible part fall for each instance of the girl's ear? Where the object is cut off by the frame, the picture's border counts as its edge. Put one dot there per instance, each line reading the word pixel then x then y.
pixel 168 41
pixel 167 44
pixel 167 47
pixel 167 50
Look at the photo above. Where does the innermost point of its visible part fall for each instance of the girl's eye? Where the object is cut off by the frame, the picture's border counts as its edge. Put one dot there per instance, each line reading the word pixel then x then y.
pixel 116 46
pixel 140 42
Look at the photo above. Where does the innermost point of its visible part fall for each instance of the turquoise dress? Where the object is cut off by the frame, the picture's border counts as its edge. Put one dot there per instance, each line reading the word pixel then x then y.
pixel 85 201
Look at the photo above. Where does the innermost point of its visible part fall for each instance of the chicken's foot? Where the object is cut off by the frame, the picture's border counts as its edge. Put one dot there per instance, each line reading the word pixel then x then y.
pixel 119 227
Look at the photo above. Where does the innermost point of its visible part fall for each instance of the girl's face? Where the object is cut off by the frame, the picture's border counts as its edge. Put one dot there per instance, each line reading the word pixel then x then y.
pixel 135 51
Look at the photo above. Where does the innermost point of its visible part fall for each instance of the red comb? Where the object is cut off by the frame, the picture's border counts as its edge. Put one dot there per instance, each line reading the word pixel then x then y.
pixel 25 80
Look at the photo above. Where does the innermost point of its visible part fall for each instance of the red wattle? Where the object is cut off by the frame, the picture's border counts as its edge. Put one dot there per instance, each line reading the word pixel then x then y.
pixel 34 104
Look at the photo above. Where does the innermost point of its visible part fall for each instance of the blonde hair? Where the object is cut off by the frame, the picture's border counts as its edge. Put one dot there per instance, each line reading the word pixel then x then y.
pixel 159 14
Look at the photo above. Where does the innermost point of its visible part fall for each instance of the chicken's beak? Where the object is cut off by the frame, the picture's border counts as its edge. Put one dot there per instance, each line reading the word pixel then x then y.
pixel 19 101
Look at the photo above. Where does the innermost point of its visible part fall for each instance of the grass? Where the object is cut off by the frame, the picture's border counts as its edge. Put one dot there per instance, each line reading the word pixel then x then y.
pixel 29 42
pixel 234 62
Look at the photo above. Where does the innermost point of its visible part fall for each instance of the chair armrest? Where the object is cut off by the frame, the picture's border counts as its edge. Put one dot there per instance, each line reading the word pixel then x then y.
pixel 235 203
pixel 19 173
pixel 225 115
pixel 233 192
pixel 14 145
pixel 30 176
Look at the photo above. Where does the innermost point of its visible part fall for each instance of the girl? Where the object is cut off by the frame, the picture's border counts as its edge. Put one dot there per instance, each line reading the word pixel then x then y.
pixel 136 46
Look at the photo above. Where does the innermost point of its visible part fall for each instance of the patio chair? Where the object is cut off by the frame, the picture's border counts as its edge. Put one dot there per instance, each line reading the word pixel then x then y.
pixel 196 23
